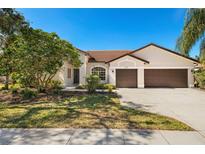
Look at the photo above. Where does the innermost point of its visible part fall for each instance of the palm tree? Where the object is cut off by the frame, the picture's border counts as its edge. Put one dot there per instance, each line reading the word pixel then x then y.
pixel 193 31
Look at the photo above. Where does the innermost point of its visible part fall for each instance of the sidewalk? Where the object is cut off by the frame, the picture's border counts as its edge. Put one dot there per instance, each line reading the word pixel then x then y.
pixel 98 136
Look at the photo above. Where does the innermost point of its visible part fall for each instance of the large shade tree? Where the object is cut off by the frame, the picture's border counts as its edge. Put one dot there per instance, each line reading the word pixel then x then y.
pixel 31 56
pixel 12 23
pixel 193 31
pixel 41 55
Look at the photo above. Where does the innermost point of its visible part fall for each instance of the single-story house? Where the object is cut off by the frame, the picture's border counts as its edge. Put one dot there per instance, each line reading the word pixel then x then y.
pixel 148 66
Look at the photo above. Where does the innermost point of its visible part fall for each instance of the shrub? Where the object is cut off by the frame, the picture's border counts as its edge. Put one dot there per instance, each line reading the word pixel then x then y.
pixel 23 79
pixel 55 84
pixel 41 89
pixel 56 91
pixel 3 88
pixel 81 86
pixel 105 86
pixel 92 83
pixel 200 77
pixel 28 93
pixel 101 86
pixel 14 90
pixel 108 86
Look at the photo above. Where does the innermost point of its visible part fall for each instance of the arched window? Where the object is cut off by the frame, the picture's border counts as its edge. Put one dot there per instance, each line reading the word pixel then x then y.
pixel 100 71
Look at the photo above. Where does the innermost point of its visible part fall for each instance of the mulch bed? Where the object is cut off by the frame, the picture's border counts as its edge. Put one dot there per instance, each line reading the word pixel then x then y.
pixel 8 97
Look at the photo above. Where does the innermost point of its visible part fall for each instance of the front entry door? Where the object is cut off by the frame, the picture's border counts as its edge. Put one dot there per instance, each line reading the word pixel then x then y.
pixel 76 76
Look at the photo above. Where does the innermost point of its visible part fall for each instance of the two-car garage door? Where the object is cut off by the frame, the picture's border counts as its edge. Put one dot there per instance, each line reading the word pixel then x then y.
pixel 165 78
pixel 169 78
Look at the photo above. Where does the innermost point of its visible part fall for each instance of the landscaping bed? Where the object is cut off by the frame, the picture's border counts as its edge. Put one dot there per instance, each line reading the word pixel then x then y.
pixel 79 110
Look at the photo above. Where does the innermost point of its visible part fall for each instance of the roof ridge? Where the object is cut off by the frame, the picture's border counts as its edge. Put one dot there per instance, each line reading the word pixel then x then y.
pixel 153 44
pixel 166 49
pixel 110 50
pixel 130 52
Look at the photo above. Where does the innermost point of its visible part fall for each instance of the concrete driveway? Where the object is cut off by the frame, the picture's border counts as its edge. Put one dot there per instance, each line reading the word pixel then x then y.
pixel 184 104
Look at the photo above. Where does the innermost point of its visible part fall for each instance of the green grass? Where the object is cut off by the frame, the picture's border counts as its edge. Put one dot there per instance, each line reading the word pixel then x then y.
pixel 10 85
pixel 86 111
pixel 1 85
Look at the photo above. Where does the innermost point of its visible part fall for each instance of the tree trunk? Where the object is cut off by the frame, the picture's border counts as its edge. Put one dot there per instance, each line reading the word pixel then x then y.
pixel 7 82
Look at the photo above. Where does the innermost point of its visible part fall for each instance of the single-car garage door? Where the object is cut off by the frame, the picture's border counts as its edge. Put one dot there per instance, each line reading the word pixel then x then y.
pixel 126 78
pixel 170 78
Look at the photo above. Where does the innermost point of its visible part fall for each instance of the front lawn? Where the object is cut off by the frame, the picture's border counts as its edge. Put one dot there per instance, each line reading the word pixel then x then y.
pixel 1 86
pixel 81 111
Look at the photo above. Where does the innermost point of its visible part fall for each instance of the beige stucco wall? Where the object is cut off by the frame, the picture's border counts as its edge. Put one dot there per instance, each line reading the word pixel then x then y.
pixel 127 62
pixel 161 58
pixel 158 58
pixel 62 74
pixel 140 77
pixel 83 68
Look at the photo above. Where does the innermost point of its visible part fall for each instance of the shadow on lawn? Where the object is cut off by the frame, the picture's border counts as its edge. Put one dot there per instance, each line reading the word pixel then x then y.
pixel 68 115
pixel 94 111
pixel 98 111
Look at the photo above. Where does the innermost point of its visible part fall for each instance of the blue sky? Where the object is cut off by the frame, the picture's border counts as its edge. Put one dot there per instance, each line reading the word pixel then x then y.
pixel 96 29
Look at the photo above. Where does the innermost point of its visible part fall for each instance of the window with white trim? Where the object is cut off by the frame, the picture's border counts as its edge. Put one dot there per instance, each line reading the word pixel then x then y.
pixel 100 71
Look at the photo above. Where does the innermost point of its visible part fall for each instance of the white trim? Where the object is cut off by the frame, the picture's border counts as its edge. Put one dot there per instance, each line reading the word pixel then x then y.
pixel 106 72
pixel 126 60
pixel 97 66
pixel 140 86
pixel 151 67
pixel 167 67
pixel 169 51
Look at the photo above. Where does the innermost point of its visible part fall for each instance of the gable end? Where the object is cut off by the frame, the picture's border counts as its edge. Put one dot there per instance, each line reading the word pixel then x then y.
pixel 165 49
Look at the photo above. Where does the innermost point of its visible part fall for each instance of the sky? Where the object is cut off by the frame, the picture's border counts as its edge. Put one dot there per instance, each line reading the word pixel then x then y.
pixel 105 29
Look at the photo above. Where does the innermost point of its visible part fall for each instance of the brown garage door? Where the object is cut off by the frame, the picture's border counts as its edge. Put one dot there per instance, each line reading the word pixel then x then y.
pixel 126 78
pixel 171 78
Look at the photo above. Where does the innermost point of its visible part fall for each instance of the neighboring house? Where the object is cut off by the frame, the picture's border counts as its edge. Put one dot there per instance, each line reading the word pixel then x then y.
pixel 149 66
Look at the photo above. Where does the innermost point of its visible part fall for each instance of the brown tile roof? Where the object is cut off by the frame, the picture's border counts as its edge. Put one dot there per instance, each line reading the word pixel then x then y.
pixel 111 55
pixel 128 54
pixel 106 55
